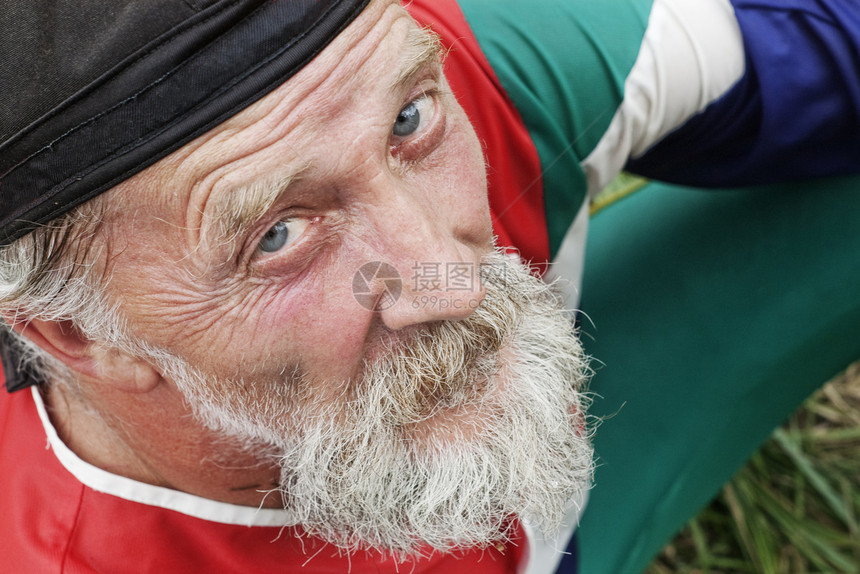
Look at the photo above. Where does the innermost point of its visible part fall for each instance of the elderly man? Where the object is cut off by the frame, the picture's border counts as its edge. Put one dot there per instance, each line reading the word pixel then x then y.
pixel 252 277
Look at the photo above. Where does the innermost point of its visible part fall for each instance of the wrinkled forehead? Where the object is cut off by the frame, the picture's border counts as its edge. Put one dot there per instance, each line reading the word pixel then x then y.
pixel 96 94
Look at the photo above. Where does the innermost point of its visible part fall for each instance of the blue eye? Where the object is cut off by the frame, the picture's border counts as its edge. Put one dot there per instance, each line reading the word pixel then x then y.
pixel 408 121
pixel 283 234
pixel 275 238
pixel 415 117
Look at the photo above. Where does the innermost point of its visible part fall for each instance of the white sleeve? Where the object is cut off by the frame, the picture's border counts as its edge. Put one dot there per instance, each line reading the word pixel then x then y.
pixel 691 54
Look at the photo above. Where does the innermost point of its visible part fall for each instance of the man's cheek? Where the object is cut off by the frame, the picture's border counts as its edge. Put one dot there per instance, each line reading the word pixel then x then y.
pixel 229 329
pixel 316 323
pixel 465 185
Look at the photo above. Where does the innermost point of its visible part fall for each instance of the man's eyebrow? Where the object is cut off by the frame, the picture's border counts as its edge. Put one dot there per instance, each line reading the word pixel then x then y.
pixel 422 48
pixel 237 210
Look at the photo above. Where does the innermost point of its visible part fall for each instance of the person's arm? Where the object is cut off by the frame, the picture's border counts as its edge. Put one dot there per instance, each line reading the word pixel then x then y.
pixel 691 55
pixel 793 113
pixel 705 92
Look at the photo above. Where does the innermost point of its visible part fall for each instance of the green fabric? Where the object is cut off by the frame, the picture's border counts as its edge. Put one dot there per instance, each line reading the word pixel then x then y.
pixel 714 314
pixel 563 63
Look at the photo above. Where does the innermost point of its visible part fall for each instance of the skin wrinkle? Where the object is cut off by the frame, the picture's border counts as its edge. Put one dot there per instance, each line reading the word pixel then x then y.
pixel 309 91
pixel 116 426
pixel 423 50
pixel 192 308
pixel 254 300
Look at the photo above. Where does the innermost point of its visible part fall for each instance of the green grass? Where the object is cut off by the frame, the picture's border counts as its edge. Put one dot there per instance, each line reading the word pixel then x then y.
pixel 794 508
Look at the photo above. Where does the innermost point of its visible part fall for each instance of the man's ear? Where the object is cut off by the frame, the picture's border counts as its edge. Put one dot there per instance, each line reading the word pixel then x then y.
pixel 87 358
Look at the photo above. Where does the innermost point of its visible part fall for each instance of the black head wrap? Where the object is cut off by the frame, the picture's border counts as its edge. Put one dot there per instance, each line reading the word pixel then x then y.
pixel 92 93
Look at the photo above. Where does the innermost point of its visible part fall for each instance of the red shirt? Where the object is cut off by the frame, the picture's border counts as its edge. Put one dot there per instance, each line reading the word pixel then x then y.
pixel 53 523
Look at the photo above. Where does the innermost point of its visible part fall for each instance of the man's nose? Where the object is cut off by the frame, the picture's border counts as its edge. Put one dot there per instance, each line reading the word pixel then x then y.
pixel 433 290
pixel 429 264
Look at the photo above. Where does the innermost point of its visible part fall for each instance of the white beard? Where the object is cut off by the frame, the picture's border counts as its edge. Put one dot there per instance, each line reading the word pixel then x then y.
pixel 449 434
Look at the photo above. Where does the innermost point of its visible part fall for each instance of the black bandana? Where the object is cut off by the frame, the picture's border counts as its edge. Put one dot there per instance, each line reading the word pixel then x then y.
pixel 93 92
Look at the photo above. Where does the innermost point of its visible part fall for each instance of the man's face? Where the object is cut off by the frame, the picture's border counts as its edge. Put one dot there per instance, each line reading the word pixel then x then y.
pixel 326 169
pixel 237 256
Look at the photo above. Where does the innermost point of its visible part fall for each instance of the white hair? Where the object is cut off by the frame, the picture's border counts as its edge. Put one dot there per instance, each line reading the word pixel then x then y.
pixel 57 273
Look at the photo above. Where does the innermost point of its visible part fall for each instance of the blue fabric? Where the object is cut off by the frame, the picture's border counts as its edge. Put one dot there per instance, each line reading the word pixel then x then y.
pixel 570 562
pixel 796 111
